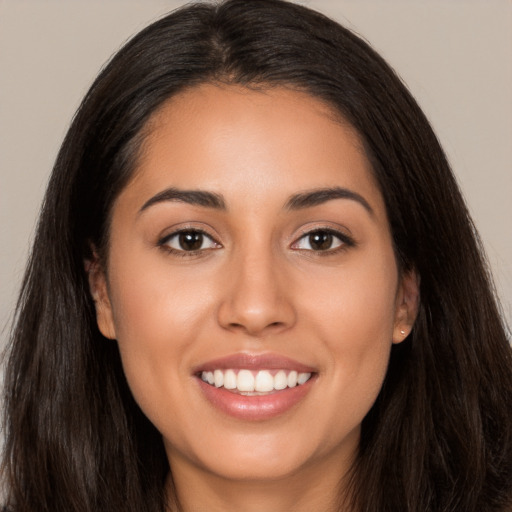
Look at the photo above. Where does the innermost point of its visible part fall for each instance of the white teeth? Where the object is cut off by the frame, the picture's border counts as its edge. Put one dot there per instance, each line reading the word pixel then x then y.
pixel 280 380
pixel 292 379
pixel 264 381
pixel 218 378
pixel 247 381
pixel 303 378
pixel 230 379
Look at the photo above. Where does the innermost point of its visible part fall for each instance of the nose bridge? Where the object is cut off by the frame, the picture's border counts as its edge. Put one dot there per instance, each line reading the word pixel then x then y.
pixel 256 300
pixel 256 280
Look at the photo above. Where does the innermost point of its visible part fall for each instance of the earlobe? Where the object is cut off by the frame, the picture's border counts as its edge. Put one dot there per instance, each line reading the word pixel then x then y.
pixel 407 304
pixel 99 292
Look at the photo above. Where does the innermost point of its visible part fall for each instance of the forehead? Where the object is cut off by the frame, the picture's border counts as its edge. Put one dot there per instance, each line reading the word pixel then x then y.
pixel 245 142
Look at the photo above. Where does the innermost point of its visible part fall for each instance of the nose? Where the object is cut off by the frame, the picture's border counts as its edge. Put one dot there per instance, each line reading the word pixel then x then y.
pixel 257 300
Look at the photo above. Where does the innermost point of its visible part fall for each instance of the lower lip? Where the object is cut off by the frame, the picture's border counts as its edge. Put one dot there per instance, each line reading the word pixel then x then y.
pixel 255 408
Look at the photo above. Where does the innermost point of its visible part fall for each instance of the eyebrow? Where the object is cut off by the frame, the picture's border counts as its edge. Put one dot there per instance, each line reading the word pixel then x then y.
pixel 194 197
pixel 298 201
pixel 319 196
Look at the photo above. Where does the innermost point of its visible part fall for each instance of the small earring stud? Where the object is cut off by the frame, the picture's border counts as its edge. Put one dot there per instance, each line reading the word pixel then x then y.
pixel 402 332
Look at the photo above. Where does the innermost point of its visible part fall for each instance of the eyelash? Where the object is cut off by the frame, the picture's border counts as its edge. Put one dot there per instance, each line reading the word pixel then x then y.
pixel 346 242
pixel 163 242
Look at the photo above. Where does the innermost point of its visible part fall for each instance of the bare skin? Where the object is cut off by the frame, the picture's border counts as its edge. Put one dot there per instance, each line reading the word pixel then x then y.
pixel 280 265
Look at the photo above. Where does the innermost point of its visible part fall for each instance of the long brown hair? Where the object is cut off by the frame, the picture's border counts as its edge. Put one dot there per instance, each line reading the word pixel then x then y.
pixel 438 437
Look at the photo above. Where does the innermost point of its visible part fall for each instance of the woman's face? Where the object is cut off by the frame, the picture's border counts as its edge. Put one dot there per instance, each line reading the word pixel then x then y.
pixel 252 250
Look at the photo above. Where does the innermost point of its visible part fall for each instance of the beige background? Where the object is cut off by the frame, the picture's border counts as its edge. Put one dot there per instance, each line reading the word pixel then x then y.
pixel 456 57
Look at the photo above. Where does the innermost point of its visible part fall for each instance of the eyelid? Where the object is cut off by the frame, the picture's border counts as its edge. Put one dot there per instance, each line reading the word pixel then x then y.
pixel 166 238
pixel 346 239
pixel 181 227
pixel 163 241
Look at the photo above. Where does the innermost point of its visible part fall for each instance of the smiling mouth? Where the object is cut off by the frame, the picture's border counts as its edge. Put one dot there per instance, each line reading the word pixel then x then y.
pixel 255 387
pixel 254 382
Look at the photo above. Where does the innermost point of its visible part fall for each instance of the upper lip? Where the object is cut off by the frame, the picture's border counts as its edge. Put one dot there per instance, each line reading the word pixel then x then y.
pixel 267 361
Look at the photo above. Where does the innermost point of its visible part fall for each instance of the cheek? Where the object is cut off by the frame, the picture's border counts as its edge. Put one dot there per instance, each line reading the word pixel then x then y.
pixel 157 302
pixel 157 314
pixel 358 300
pixel 353 315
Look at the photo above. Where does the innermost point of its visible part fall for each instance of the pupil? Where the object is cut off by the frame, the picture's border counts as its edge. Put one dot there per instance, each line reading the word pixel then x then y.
pixel 191 241
pixel 320 241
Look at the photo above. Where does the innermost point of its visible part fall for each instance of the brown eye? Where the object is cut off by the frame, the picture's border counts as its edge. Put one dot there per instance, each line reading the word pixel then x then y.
pixel 320 240
pixel 189 241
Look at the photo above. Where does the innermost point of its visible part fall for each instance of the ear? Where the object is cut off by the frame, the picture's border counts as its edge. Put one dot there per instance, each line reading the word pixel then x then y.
pixel 407 304
pixel 99 292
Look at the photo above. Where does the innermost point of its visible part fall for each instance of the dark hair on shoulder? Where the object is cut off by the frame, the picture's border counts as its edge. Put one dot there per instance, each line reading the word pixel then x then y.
pixel 439 437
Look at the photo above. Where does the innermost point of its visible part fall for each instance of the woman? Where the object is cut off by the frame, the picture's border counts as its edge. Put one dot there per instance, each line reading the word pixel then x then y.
pixel 255 286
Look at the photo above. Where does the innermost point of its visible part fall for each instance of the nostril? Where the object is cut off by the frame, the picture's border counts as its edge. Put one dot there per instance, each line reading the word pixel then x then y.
pixel 256 328
pixel 255 314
